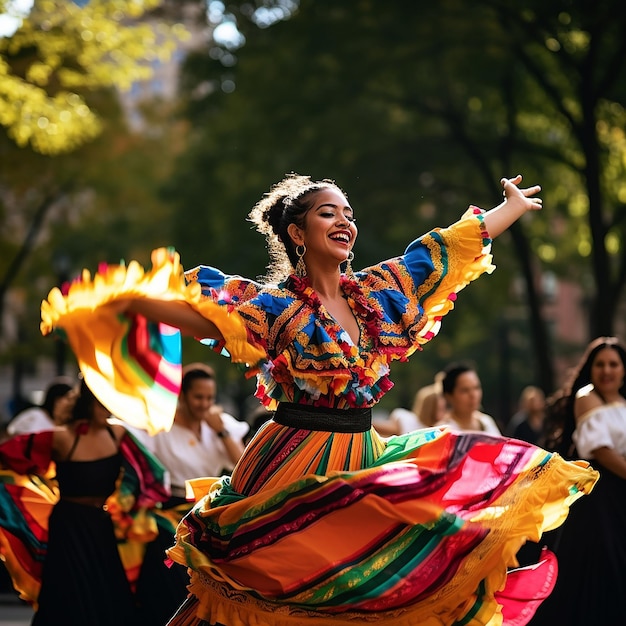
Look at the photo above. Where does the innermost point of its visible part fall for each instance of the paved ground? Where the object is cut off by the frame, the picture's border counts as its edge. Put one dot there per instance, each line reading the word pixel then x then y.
pixel 13 612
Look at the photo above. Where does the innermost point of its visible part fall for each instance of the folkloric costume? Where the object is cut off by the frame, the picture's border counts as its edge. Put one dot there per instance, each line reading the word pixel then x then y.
pixel 84 559
pixel 322 519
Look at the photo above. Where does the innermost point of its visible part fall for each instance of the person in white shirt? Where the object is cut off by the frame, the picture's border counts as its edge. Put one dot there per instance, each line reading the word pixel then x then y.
pixel 429 408
pixel 463 393
pixel 55 410
pixel 586 417
pixel 203 440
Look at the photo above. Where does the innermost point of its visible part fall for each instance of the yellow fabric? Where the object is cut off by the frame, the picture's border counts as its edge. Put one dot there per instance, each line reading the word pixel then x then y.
pixel 537 502
pixel 464 266
pixel 90 315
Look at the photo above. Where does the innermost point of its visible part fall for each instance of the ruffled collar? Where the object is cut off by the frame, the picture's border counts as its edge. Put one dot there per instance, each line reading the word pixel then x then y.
pixel 366 312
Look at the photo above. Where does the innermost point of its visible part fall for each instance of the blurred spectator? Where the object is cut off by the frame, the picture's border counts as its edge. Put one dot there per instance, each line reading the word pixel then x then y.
pixel 203 440
pixel 400 421
pixel 433 407
pixel 55 410
pixel 18 403
pixel 527 423
pixel 463 393
pixel 590 412
pixel 428 408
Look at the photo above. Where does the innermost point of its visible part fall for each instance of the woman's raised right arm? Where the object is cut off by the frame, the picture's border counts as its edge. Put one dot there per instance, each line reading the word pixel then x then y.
pixel 178 314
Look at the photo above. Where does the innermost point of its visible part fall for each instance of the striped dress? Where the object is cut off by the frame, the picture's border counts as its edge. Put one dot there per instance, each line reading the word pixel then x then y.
pixel 319 524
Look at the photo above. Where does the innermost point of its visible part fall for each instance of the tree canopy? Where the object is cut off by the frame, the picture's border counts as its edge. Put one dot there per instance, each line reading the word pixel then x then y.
pixel 417 110
pixel 76 186
pixel 60 50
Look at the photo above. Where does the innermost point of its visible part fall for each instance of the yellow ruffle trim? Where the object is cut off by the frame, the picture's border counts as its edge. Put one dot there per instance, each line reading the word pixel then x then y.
pixel 165 281
pixel 91 314
pixel 218 604
pixel 539 501
pixel 466 262
pixel 114 283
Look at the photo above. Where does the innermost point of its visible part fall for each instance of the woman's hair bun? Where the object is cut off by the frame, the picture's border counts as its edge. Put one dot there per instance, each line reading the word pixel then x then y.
pixel 274 214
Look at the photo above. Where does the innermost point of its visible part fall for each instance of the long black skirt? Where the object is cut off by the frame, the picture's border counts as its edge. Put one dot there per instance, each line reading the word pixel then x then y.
pixel 83 580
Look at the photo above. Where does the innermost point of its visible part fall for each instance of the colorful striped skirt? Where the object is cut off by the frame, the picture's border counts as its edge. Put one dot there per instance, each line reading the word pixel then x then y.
pixel 336 528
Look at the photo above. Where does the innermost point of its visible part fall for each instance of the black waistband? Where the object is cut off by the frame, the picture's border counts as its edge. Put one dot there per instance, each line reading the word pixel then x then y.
pixel 323 418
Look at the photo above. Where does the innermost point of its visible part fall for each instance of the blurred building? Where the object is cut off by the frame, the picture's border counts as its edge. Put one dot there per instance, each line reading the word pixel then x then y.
pixel 164 81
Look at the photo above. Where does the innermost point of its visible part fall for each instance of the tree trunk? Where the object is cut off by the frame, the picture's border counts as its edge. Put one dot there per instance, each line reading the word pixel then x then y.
pixel 603 301
pixel 541 340
pixel 25 249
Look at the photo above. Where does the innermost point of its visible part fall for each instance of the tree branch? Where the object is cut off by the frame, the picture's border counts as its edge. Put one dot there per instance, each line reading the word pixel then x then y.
pixel 27 245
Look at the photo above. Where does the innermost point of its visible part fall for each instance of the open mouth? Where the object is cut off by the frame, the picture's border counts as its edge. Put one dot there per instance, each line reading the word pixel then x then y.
pixel 341 237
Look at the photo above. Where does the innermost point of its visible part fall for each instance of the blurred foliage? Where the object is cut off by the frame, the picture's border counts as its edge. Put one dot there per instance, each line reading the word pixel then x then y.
pixel 415 109
pixel 76 189
pixel 98 203
pixel 60 50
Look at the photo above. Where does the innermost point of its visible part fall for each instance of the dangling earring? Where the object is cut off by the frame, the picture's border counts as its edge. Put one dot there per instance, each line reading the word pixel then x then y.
pixel 349 271
pixel 300 266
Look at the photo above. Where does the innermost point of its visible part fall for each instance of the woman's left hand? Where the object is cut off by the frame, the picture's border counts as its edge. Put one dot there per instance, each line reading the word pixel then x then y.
pixel 516 203
pixel 524 197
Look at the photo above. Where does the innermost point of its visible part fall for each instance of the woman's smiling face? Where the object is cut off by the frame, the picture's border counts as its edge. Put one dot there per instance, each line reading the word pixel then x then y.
pixel 607 372
pixel 199 398
pixel 329 228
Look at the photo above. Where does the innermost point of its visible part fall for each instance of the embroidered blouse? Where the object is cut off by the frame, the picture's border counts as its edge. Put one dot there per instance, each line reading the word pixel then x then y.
pixel 398 304
pixel 280 333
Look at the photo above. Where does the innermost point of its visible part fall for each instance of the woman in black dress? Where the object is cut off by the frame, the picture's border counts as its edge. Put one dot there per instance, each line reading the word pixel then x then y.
pixel 589 421
pixel 83 580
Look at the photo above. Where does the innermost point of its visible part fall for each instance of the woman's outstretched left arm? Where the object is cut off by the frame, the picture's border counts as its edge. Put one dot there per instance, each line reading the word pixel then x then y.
pixel 516 202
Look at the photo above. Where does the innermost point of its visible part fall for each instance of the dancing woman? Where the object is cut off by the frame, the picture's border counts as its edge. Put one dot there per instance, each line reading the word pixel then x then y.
pixel 60 538
pixel 322 519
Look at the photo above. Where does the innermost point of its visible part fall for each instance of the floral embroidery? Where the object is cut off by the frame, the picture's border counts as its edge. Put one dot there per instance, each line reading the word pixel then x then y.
pixel 398 305
pixel 366 313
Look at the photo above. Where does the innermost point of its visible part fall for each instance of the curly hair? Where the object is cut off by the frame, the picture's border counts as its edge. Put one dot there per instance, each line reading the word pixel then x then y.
pixel 560 421
pixel 286 203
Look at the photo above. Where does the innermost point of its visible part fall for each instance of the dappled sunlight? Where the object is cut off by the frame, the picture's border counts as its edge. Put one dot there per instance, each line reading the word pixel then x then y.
pixel 65 48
